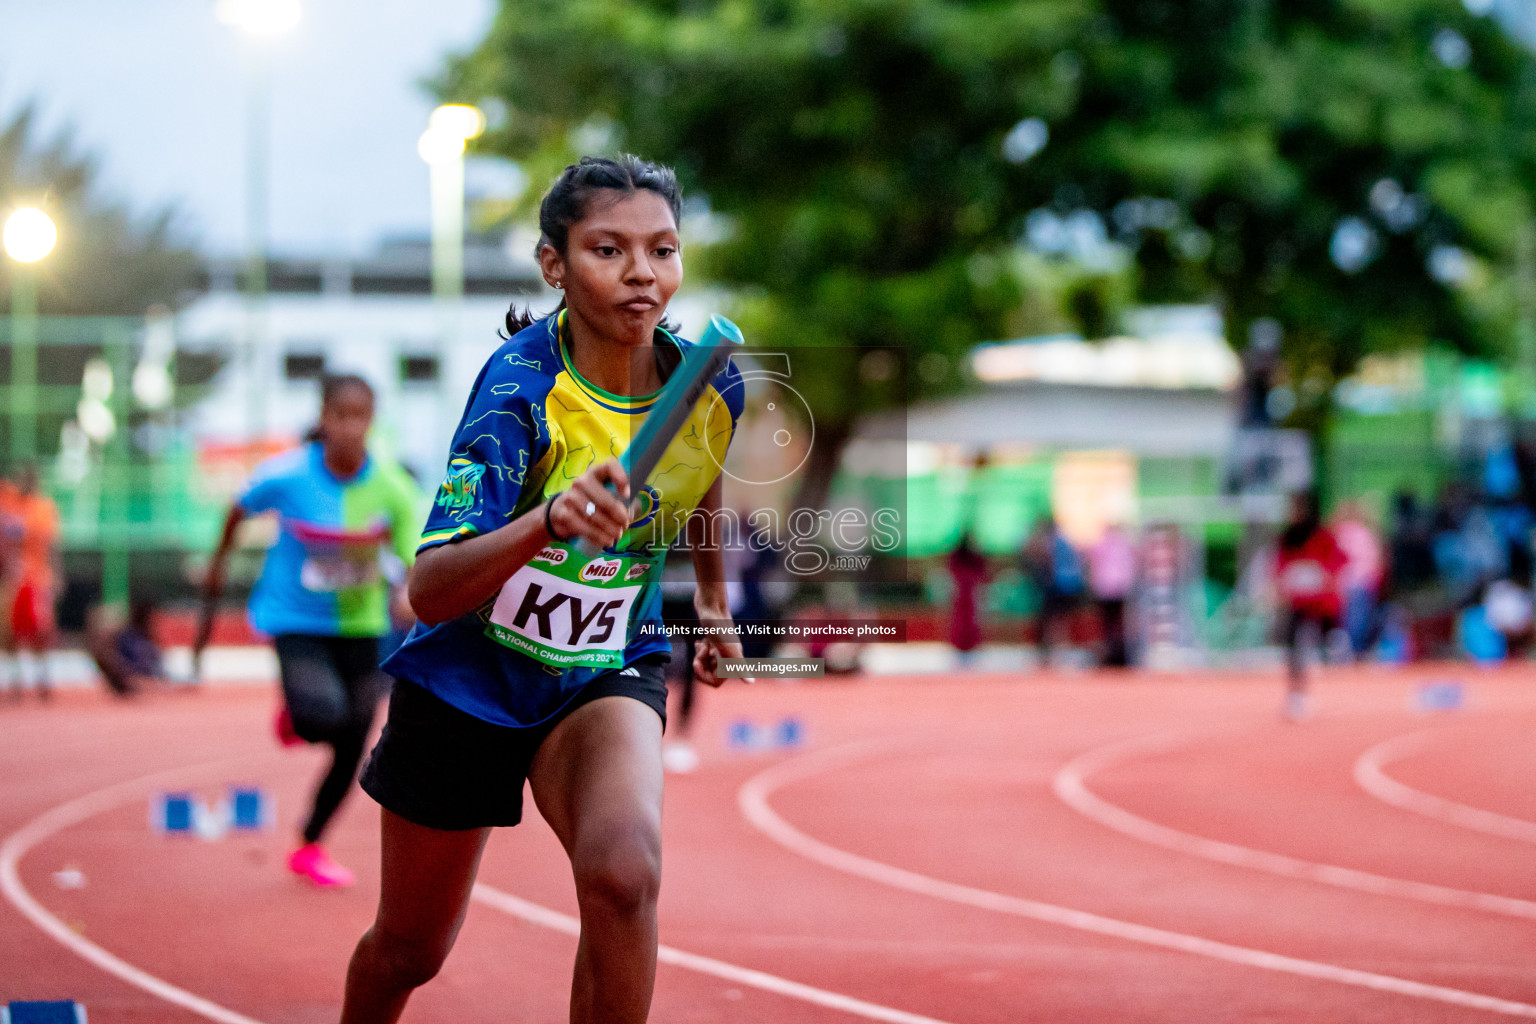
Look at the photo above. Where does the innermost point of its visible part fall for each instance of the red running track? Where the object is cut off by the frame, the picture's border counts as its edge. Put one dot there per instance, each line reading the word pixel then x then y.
pixel 985 849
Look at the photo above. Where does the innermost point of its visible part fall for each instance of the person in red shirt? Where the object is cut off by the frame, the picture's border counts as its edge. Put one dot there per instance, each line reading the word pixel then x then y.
pixel 1307 575
pixel 29 533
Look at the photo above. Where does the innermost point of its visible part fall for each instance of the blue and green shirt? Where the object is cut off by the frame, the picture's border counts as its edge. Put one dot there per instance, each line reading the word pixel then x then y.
pixel 325 574
pixel 532 426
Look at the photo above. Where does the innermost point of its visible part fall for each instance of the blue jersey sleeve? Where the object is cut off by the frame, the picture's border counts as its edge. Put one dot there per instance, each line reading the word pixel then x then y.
pixel 500 436
pixel 269 482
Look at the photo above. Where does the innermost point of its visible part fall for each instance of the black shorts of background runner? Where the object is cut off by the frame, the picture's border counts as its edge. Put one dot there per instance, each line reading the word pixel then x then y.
pixel 443 768
pixel 332 686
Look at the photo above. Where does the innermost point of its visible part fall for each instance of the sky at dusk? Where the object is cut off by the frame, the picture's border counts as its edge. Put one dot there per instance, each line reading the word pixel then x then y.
pixel 154 89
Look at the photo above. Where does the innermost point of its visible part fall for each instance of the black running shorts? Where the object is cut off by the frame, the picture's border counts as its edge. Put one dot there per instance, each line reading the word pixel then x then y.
pixel 443 768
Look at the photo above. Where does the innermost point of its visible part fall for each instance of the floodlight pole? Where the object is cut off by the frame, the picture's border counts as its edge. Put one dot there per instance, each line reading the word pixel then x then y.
pixel 258 131
pixel 23 390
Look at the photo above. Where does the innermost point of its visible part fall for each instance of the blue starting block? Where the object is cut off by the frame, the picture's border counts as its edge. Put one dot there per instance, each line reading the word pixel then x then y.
pixel 251 809
pixel 172 812
pixel 745 735
pixel 790 733
pixel 243 808
pixel 1447 696
pixel 58 1011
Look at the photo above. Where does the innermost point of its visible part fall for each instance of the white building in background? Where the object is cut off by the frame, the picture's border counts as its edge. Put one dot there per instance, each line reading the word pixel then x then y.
pixel 374 317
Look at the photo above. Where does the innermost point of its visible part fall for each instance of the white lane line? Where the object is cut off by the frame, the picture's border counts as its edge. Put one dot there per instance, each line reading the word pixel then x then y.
pixel 1071 786
pixel 536 914
pixel 88 806
pixel 753 800
pixel 72 813
pixel 1370 773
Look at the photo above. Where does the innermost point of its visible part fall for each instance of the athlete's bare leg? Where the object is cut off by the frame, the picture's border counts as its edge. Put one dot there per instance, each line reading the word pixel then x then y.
pixel 598 782
pixel 423 895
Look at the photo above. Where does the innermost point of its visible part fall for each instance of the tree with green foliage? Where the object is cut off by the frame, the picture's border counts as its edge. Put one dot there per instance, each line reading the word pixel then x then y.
pixel 1356 170
pixel 107 262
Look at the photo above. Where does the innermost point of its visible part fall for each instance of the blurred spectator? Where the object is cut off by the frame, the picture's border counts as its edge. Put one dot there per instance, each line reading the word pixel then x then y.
pixel 753 604
pixel 1307 574
pixel 29 571
pixel 677 587
pixel 1411 561
pixel 1052 565
pixel 1507 610
pixel 1361 578
pixel 1111 574
pixel 124 649
pixel 968 570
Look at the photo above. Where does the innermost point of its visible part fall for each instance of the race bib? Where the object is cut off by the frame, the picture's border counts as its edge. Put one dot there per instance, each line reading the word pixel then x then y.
pixel 1304 578
pixel 567 610
pixel 328 574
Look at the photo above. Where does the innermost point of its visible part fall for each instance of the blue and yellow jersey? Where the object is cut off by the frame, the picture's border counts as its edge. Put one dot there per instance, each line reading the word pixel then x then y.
pixel 533 425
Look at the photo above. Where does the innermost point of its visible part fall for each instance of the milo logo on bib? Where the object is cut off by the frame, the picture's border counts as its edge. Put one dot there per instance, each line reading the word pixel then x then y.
pixel 567 610
pixel 554 556
pixel 600 569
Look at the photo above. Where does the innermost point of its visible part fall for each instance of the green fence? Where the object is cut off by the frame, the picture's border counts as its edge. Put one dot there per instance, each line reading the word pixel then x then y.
pixel 124 474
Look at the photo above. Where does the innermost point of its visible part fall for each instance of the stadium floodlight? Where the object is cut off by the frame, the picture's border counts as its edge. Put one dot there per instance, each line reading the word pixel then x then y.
pixel 438 148
pixel 259 17
pixel 30 235
pixel 459 119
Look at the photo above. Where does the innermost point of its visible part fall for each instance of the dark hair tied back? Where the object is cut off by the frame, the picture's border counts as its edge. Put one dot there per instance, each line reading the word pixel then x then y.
pixel 569 199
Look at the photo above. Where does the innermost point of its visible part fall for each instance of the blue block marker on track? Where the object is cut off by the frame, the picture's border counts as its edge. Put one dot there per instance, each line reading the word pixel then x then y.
pixel 59 1011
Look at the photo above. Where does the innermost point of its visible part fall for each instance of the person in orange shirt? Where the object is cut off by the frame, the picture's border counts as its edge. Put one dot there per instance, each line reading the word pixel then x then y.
pixel 29 523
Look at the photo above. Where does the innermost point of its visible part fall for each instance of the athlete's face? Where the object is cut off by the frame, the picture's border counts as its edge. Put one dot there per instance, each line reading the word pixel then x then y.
pixel 622 265
pixel 344 423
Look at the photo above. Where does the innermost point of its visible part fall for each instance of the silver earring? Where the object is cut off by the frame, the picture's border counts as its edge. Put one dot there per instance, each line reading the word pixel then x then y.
pixel 560 284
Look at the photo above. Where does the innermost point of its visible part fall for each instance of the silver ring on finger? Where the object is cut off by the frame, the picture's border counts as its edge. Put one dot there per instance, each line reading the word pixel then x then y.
pixel 591 507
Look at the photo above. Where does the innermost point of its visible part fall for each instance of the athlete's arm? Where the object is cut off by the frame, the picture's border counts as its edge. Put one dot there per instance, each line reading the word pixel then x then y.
pixel 455 578
pixel 213 585
pixel 710 599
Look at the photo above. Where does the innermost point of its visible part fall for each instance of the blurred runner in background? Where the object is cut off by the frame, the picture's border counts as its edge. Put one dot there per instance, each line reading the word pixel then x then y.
pixel 1307 574
pixel 29 573
pixel 323 596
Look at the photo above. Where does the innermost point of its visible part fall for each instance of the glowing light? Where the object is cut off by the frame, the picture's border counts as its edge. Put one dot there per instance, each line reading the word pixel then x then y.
pixel 439 147
pixel 96 382
pixel 96 420
pixel 30 235
pixel 457 120
pixel 152 385
pixel 259 17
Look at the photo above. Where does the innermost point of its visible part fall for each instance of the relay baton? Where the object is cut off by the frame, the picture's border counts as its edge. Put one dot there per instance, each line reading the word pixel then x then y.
pixel 674 405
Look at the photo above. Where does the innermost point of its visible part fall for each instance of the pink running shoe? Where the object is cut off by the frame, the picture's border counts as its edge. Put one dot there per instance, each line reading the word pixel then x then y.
pixel 311 861
pixel 283 726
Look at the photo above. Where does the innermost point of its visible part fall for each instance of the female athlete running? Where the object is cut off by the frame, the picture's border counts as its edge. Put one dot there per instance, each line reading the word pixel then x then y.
pixel 534 659
pixel 322 594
